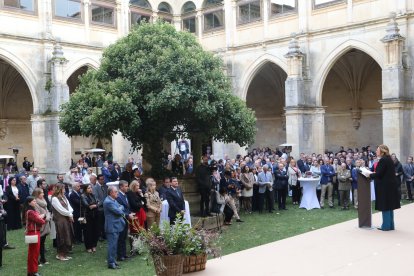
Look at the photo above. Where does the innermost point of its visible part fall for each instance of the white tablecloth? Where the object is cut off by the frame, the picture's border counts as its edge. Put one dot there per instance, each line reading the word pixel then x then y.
pixel 164 213
pixel 309 199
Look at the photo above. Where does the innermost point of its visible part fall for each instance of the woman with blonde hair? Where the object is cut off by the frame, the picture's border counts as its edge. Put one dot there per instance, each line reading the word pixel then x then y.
pixel 293 174
pixel 62 215
pixel 154 203
pixel 344 185
pixel 247 180
pixel 137 204
pixel 41 208
pixel 386 188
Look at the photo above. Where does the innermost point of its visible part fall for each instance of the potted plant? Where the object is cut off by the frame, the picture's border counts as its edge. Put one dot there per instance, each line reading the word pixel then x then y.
pixel 198 245
pixel 170 246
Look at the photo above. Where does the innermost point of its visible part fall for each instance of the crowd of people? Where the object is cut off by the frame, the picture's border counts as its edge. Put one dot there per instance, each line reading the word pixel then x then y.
pixel 265 177
pixel 82 207
pixel 79 207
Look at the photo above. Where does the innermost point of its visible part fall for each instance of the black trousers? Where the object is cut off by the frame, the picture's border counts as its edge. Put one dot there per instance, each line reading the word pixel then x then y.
pixel 205 201
pixel 92 232
pixel 255 198
pixel 101 223
pixel 228 213
pixel 42 249
pixel 270 200
pixel 121 251
pixel 335 193
pixel 296 192
pixel 77 229
pixel 281 198
pixel 410 195
pixel 260 201
pixel 2 239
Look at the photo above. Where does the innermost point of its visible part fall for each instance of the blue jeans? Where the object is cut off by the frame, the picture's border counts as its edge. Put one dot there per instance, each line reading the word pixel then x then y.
pixel 388 220
pixel 112 239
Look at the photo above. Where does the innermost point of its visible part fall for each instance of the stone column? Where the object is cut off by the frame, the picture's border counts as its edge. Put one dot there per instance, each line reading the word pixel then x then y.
pixel 51 147
pixel 395 101
pixel 86 16
pixel 199 19
pixel 305 125
pixel 221 149
pixel 122 18
pixel 230 14
pixel 176 21
pixel 121 150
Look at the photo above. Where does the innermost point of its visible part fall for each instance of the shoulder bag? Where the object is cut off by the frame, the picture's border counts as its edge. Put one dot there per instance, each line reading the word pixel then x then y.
pixel 34 238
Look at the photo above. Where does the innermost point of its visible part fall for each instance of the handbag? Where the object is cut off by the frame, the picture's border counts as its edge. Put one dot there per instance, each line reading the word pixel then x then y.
pixel 81 220
pixel 30 238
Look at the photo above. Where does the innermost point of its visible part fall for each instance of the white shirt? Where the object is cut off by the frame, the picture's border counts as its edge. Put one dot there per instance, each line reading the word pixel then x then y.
pixel 62 210
pixel 15 191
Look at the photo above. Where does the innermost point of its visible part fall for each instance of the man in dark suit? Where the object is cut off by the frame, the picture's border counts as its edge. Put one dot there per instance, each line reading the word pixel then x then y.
pixel 409 176
pixel 88 159
pixel 100 191
pixel 175 200
pixel 122 199
pixel 302 165
pixel 114 224
pixel 75 202
pixel 164 188
pixel 203 176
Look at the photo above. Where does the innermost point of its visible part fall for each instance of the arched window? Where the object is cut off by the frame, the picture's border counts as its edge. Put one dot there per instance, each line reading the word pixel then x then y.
pixel 281 7
pixel 141 10
pixel 189 21
pixel 188 7
pixel 249 11
pixel 141 3
pixel 213 15
pixel 165 12
pixel 212 3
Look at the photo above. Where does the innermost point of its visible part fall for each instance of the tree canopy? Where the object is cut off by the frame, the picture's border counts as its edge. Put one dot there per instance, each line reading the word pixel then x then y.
pixel 152 82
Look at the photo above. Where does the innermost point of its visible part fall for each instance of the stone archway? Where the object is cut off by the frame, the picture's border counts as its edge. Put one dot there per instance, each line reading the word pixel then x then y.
pixel 351 95
pixel 80 143
pixel 16 108
pixel 266 96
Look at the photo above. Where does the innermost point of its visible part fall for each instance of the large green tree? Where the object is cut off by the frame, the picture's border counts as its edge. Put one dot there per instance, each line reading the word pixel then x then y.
pixel 155 84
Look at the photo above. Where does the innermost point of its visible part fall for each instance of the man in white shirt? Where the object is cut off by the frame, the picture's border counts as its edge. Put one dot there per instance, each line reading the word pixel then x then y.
pixel 265 180
pixel 32 180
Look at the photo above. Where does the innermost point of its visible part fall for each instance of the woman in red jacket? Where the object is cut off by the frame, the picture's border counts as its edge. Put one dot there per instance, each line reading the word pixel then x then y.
pixel 34 222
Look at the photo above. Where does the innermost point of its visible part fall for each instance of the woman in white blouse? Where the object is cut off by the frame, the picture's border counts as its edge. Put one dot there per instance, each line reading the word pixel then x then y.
pixel 63 218
pixel 316 172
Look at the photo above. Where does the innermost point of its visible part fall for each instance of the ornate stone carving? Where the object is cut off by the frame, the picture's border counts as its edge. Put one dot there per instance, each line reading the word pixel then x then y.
pixel 3 129
pixel 294 58
pixel 393 32
pixel 356 118
pixel 394 43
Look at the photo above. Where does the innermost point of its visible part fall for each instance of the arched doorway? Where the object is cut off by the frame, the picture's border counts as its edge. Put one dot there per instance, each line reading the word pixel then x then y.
pixel 351 95
pixel 16 107
pixel 266 96
pixel 81 143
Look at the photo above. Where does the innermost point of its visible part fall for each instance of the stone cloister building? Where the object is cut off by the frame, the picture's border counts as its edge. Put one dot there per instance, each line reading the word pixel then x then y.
pixel 318 73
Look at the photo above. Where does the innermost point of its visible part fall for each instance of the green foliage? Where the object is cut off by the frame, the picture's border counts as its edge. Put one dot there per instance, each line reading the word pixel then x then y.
pixel 149 83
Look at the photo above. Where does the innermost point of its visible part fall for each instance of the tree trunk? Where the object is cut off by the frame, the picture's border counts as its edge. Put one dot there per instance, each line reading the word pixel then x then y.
pixel 196 144
pixel 152 154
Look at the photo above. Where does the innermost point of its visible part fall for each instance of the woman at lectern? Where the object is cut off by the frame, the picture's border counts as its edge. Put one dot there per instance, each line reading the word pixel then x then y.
pixel 386 186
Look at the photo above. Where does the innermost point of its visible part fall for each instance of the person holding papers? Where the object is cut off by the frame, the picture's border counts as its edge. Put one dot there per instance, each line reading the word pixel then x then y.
pixel 386 188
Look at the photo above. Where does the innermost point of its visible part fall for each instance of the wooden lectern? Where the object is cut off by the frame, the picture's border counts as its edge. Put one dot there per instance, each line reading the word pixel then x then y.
pixel 364 202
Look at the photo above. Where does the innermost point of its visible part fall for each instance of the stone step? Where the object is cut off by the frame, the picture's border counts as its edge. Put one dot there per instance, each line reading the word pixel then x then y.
pixel 207 223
